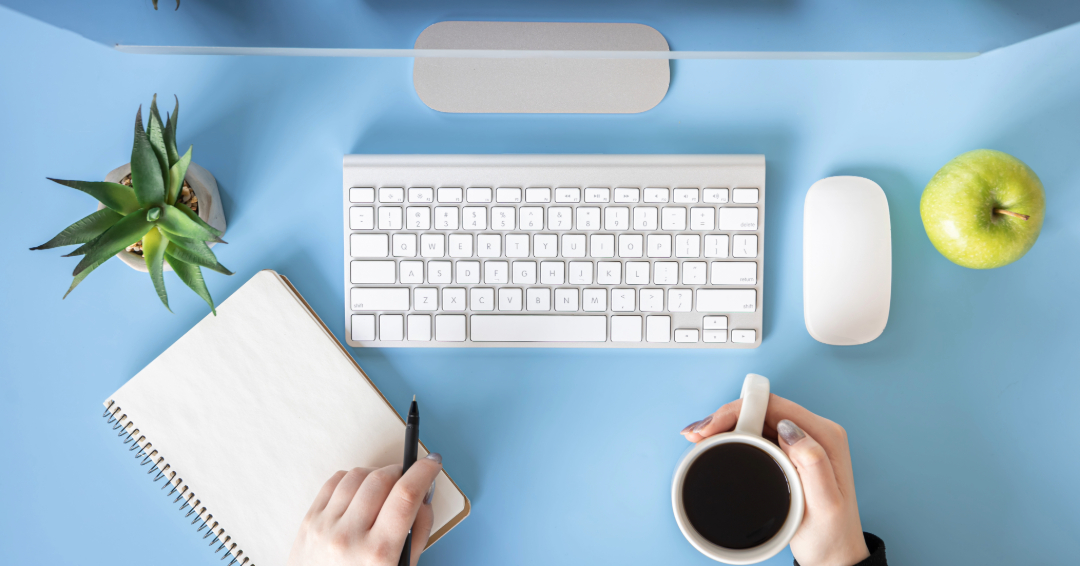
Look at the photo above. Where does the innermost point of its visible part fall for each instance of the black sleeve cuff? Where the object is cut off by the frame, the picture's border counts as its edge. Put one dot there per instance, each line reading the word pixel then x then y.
pixel 876 547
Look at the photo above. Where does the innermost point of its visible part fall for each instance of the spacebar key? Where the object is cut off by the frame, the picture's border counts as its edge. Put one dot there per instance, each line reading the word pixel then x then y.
pixel 538 328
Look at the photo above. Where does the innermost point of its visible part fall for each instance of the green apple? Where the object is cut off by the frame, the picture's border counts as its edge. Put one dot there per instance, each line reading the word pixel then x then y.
pixel 983 209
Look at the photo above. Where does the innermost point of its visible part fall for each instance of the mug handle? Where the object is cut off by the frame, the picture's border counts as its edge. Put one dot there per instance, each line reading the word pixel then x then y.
pixel 755 400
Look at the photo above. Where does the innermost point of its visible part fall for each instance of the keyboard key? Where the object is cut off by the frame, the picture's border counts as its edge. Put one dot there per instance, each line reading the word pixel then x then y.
pixel 630 245
pixel 680 300
pixel 392 327
pixel 737 218
pixel 439 272
pixel 714 196
pixel 505 194
pixel 425 299
pixel 623 300
pixel 609 273
pixel 496 272
pixel 666 273
pixel 537 194
pixel 404 245
pixel 566 300
pixel 659 245
pixel 627 195
pixel 687 245
pixel 645 218
pixel 593 194
pixel 524 328
pixel 446 217
pixel 545 245
pixel 489 245
pixel 651 300
pixel 714 323
pixel 390 218
pixel 716 245
pixel 588 218
pixel 734 273
pixel 509 299
pixel 744 336
pixel 594 300
pixel 552 273
pixel 432 245
pixel 466 272
pixel 450 194
pixel 392 195
pixel 474 218
pixel 524 272
pixel 626 329
pixel 532 218
pixel 744 196
pixel 726 300
pixel 560 218
pixel 362 194
pixel 637 273
pixel 363 327
pixel 564 194
pixel 702 218
pixel 573 245
pixel 482 299
pixel 686 335
pixel 673 218
pixel 460 245
pixel 537 299
pixel 450 327
pixel 693 273
pixel 503 217
pixel 658 328
pixel 517 245
pixel 602 245
pixel 580 273
pixel 379 299
pixel 656 195
pixel 744 246
pixel 419 327
pixel 369 245
pixel 361 218
pixel 419 217
pixel 421 195
pixel 616 218
pixel 453 299
pixel 714 336
pixel 685 196
pixel 411 272
pixel 476 194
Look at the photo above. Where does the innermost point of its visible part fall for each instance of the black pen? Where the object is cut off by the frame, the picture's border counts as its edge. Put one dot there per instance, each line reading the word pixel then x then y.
pixel 412 441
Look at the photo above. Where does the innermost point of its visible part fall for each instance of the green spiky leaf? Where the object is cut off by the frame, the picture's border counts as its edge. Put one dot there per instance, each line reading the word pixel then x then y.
pixel 155 132
pixel 118 197
pixel 170 134
pixel 154 244
pixel 146 172
pixel 195 252
pixel 84 230
pixel 176 177
pixel 127 231
pixel 175 222
pixel 82 275
pixel 195 218
pixel 191 275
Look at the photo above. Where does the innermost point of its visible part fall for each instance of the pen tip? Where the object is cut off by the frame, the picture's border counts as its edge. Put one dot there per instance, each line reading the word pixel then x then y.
pixel 414 398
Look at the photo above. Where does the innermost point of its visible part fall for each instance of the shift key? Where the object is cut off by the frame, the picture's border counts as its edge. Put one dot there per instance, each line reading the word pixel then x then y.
pixel 726 300
pixel 379 299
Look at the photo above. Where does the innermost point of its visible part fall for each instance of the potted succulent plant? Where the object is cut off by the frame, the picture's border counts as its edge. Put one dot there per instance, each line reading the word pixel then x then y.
pixel 157 212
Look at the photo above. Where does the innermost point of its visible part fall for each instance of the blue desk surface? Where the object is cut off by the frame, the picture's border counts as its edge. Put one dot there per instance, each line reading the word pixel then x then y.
pixel 962 416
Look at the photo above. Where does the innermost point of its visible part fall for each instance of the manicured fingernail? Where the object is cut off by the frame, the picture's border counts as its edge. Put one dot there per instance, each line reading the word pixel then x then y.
pixel 790 432
pixel 701 425
pixel 435 456
pixel 689 427
pixel 430 493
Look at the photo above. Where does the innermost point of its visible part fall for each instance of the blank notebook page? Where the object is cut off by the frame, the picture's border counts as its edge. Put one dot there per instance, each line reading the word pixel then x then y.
pixel 256 408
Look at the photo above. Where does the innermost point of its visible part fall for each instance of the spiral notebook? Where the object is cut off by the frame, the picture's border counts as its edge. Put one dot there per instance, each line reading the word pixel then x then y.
pixel 247 415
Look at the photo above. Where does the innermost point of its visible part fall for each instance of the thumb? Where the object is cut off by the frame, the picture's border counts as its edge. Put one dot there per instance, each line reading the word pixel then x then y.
pixel 815 469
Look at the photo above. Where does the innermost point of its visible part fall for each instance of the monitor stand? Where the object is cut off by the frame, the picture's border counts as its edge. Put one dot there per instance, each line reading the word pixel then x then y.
pixel 514 75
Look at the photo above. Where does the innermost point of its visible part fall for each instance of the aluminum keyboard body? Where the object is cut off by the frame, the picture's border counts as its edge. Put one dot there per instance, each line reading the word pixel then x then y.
pixel 642 251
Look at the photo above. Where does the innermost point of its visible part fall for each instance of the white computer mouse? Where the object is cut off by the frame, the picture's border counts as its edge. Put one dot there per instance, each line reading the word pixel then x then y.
pixel 847 261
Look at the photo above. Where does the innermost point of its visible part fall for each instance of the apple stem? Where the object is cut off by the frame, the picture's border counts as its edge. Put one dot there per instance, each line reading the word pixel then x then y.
pixel 1011 213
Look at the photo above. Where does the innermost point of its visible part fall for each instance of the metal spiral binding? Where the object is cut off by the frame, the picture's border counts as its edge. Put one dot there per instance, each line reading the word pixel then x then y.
pixel 144 449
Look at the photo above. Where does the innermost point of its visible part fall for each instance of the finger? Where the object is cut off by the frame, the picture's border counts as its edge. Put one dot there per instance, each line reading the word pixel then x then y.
pixel 370 498
pixel 421 530
pixel 815 469
pixel 722 420
pixel 830 435
pixel 324 494
pixel 399 511
pixel 344 492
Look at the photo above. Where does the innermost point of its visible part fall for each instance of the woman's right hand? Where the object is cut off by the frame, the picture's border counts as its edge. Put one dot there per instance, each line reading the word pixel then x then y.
pixel 831 533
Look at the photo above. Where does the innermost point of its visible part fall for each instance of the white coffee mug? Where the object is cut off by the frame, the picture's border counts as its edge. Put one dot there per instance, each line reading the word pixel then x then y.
pixel 755 396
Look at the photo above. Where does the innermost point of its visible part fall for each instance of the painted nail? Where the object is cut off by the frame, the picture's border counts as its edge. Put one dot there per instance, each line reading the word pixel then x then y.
pixel 701 425
pixel 689 427
pixel 430 493
pixel 435 456
pixel 790 432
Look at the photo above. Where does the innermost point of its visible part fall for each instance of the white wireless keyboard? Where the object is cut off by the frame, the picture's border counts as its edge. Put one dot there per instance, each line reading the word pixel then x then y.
pixel 641 251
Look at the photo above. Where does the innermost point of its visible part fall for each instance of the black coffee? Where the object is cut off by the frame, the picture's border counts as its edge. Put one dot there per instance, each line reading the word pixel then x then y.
pixel 736 495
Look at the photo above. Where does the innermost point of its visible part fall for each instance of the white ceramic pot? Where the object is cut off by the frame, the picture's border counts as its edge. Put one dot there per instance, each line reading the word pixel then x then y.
pixel 210 208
